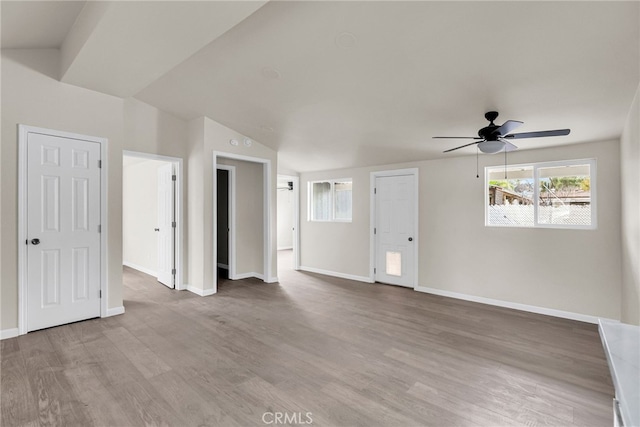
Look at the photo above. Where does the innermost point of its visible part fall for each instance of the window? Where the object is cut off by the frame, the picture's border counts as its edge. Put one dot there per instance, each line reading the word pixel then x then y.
pixel 330 200
pixel 551 195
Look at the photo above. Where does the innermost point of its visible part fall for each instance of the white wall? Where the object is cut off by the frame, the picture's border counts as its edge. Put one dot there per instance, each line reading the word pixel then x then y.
pixel 630 174
pixel 140 214
pixel 569 270
pixel 31 96
pixel 205 137
pixel 285 215
pixel 195 205
pixel 152 131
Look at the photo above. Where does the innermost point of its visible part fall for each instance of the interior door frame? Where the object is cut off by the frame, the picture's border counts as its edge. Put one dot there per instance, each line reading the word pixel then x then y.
pixel 266 214
pixel 179 212
pixel 296 218
pixel 23 134
pixel 231 256
pixel 372 209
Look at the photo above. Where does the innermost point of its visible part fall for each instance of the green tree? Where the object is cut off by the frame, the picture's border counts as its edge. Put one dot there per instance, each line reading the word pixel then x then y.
pixel 585 184
pixel 502 184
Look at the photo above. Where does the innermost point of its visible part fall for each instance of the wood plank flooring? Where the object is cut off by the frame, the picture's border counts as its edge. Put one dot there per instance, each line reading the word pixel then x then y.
pixel 348 353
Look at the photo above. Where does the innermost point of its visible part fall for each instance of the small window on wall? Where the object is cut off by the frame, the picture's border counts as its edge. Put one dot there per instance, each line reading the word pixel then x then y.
pixel 330 200
pixel 550 195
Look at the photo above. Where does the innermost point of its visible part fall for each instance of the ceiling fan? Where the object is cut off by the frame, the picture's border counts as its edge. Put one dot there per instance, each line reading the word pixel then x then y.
pixel 495 138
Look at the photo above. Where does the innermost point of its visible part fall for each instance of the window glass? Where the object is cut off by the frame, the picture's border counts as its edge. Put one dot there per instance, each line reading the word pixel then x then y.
pixel 554 194
pixel 321 201
pixel 511 199
pixel 565 195
pixel 330 200
pixel 343 200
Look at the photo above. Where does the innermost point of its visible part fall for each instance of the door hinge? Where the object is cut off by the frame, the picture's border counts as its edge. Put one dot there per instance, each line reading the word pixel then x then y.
pixel 173 224
pixel 375 190
pixel 99 163
pixel 173 177
pixel 374 270
pixel 99 228
pixel 173 271
pixel 375 230
pixel 100 293
pixel 26 242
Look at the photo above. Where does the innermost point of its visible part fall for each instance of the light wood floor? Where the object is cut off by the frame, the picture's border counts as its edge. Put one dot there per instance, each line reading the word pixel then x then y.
pixel 349 353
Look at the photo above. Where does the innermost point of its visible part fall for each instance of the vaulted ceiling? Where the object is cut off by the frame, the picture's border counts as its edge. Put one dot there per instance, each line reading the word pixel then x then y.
pixel 340 84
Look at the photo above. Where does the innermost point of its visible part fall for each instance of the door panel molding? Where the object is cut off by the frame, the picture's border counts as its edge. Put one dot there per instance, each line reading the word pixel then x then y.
pixel 51 157
pixel 372 215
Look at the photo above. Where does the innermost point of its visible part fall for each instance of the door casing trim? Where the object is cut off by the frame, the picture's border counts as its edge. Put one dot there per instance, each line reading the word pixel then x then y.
pixel 179 210
pixel 296 218
pixel 266 212
pixel 372 215
pixel 23 133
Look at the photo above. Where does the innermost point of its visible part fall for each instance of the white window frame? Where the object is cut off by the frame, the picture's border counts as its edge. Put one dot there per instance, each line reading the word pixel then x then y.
pixel 332 208
pixel 536 194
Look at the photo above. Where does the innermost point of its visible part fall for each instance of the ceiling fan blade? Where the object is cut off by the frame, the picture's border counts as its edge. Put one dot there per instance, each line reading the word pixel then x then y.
pixel 462 146
pixel 508 146
pixel 540 134
pixel 456 137
pixel 508 127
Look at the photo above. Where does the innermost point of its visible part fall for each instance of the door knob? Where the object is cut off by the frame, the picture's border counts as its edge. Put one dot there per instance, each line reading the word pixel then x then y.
pixel 156 229
pixel 35 241
pixel 411 239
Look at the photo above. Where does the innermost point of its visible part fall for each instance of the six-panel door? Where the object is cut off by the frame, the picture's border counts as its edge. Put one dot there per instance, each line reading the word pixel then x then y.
pixel 63 236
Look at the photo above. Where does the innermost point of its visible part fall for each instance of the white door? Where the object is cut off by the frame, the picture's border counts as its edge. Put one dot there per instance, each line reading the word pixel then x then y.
pixel 63 230
pixel 166 225
pixel 395 240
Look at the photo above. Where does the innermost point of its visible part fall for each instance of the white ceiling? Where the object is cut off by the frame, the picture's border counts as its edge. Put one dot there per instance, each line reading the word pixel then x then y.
pixel 340 84
pixel 131 44
pixel 37 24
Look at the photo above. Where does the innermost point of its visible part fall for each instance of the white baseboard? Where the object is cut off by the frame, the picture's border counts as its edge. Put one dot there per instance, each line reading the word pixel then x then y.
pixel 336 274
pixel 285 248
pixel 254 275
pixel 9 333
pixel 198 291
pixel 140 268
pixel 514 305
pixel 241 276
pixel 114 311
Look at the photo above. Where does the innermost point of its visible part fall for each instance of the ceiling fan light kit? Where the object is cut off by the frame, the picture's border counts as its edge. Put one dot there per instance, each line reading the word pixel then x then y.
pixel 491 147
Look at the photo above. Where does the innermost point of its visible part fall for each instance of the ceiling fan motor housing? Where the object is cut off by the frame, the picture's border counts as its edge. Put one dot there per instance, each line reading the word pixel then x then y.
pixel 488 133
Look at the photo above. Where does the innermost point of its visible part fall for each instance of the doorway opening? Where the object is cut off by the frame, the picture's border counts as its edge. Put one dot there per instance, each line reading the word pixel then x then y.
pixel 288 214
pixel 248 233
pixel 152 216
pixel 225 214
